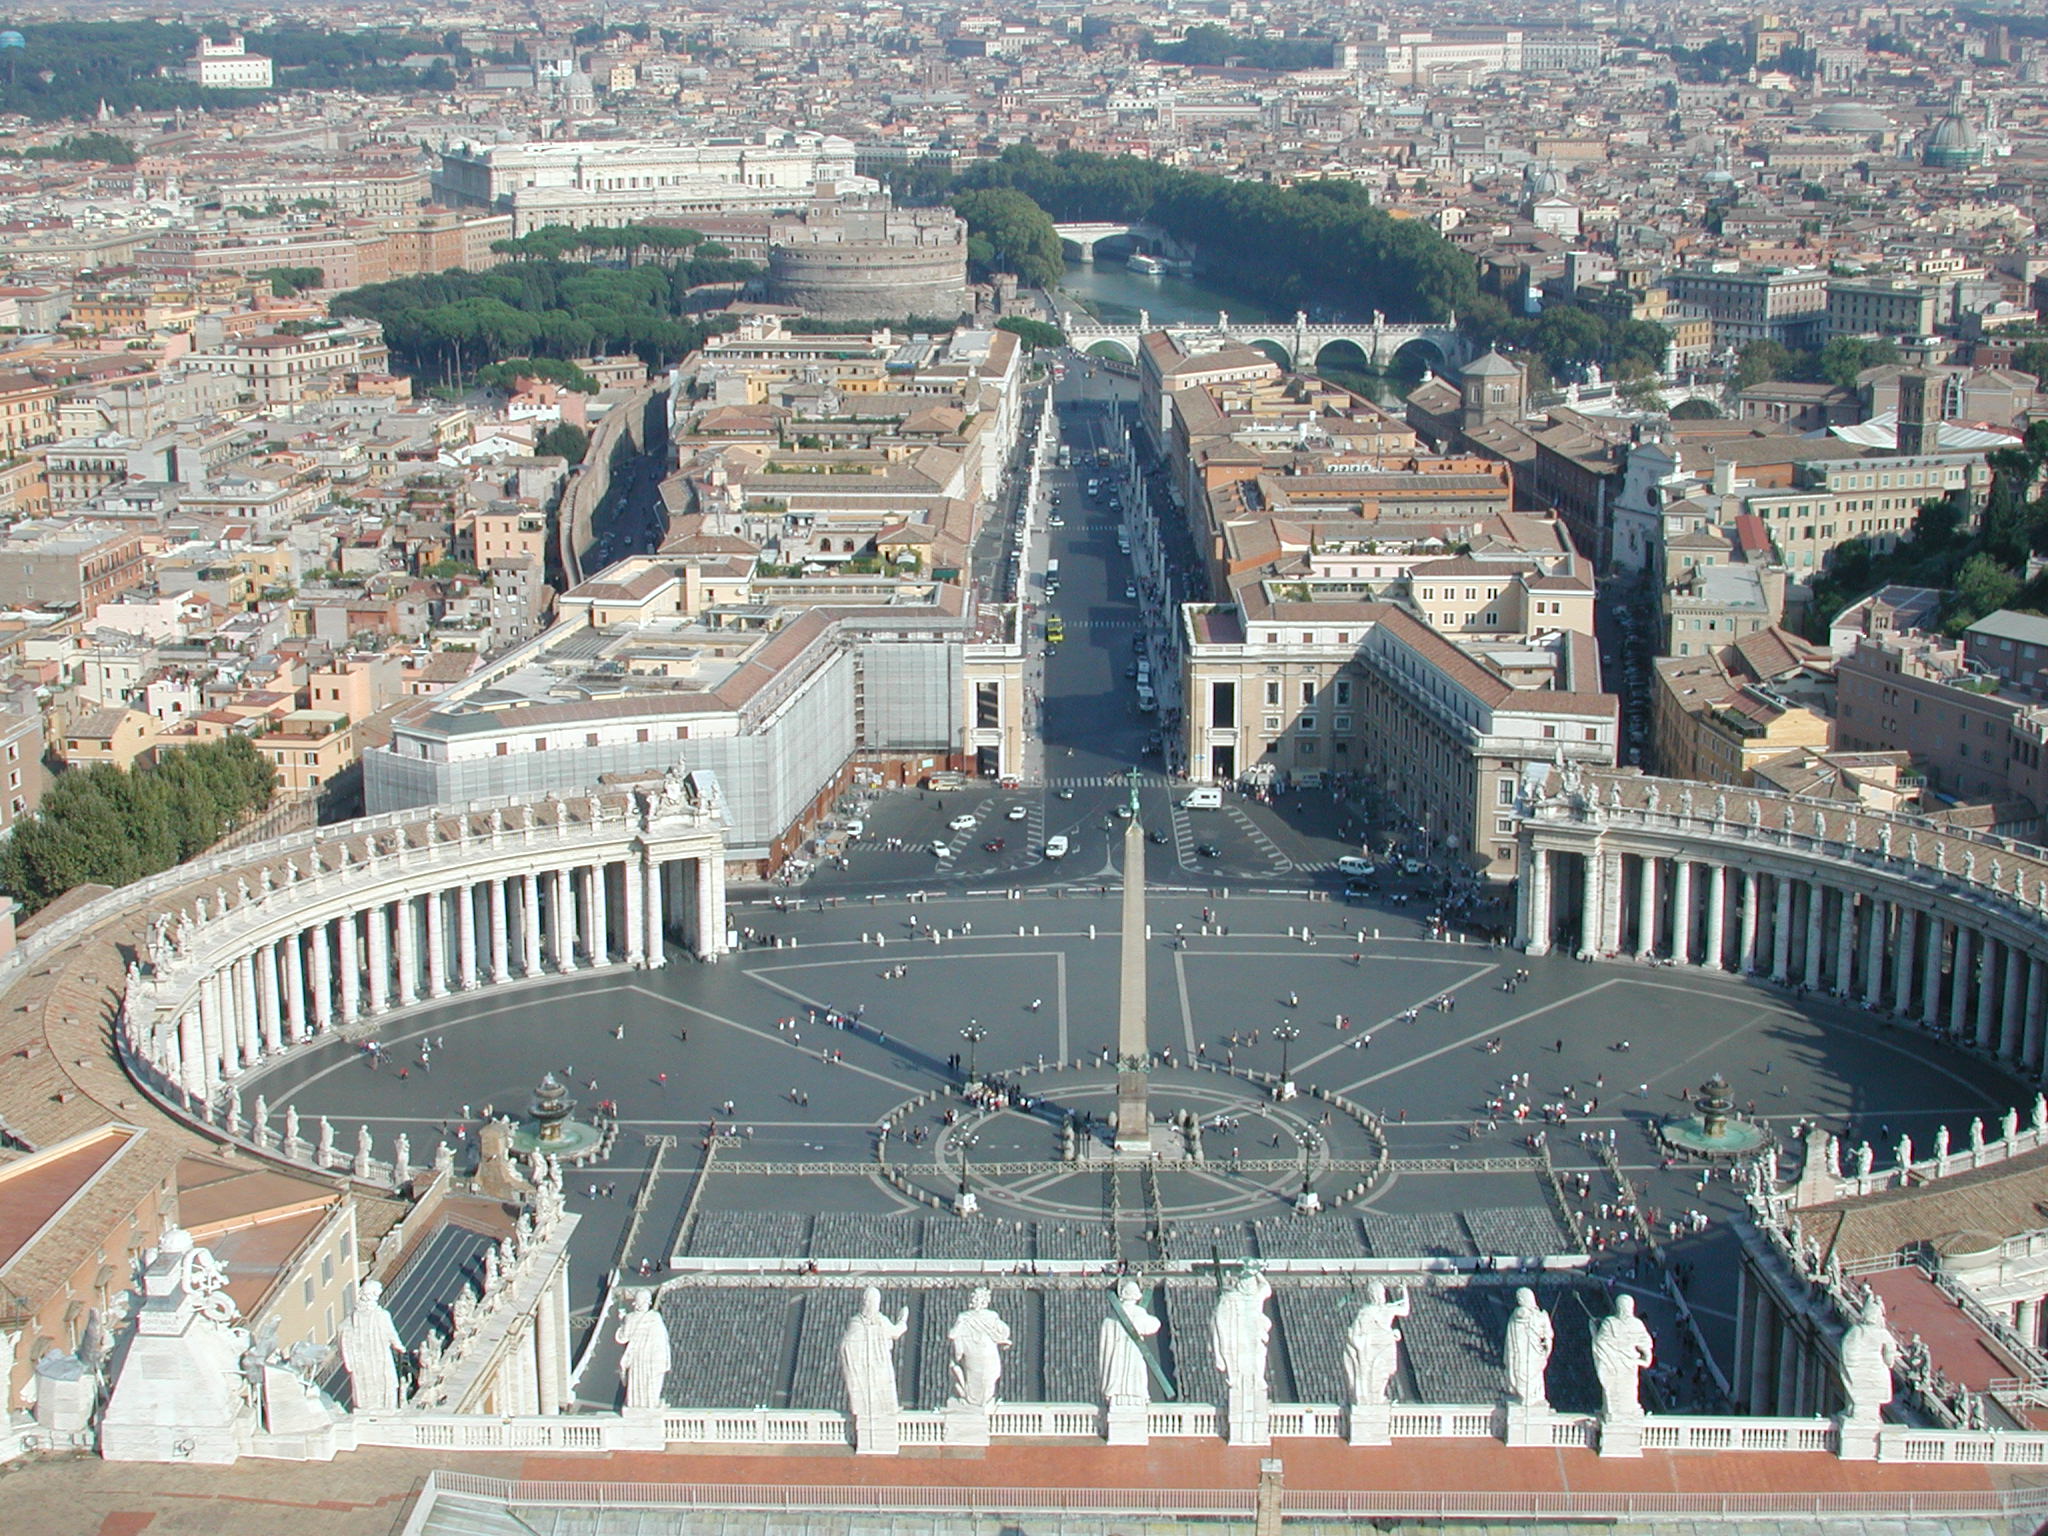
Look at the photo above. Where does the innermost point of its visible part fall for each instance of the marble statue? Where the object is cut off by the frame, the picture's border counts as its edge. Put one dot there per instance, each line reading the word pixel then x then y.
pixel 362 1151
pixel 1884 839
pixel 1238 1333
pixel 978 1338
pixel 1977 1137
pixel 2040 1115
pixel 643 1365
pixel 1970 865
pixel 1121 1368
pixel 234 1111
pixel 1756 812
pixel 444 1158
pixel 1526 1351
pixel 1866 1160
pixel 325 1154
pixel 867 1359
pixel 1685 802
pixel 401 1158
pixel 1372 1349
pixel 291 1130
pixel 1651 802
pixel 1721 806
pixel 369 1345
pixel 462 1315
pixel 1905 1154
pixel 431 1358
pixel 1622 1351
pixel 2009 1126
pixel 1868 1354
pixel 1941 1145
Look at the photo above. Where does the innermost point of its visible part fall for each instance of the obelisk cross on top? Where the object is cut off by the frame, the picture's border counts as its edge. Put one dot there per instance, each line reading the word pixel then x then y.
pixel 1133 1105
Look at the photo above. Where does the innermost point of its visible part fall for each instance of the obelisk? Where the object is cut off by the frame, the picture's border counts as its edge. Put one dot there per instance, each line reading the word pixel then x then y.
pixel 1133 1100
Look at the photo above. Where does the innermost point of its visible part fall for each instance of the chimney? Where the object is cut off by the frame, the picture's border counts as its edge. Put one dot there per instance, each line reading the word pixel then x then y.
pixel 1724 477
pixel 1919 417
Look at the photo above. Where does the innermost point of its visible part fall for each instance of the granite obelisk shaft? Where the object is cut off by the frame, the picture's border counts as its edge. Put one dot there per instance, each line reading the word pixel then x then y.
pixel 1133 1106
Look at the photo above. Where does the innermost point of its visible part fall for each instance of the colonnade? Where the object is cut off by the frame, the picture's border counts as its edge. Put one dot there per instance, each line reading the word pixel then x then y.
pixel 530 1373
pixel 338 944
pixel 1924 939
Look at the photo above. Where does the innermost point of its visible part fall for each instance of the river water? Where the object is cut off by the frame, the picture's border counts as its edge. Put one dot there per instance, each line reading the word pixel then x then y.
pixel 1115 293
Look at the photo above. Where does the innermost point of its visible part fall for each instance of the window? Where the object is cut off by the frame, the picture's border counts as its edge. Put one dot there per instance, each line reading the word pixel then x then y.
pixel 1305 724
pixel 1340 723
pixel 327 1269
pixel 1343 694
pixel 1272 693
pixel 1272 722
pixel 1550 733
pixel 504 748
pixel 1504 791
pixel 1308 693
pixel 306 1292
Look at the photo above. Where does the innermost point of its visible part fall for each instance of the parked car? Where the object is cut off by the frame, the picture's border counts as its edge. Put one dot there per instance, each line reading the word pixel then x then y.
pixel 1209 850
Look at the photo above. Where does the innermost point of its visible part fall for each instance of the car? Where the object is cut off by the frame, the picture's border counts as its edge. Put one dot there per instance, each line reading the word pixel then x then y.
pixel 1130 590
pixel 1209 850
pixel 941 849
pixel 1157 838
pixel 993 845
pixel 1413 867
pixel 964 822
pixel 1016 813
pixel 1131 670
pixel 855 827
pixel 1056 848
pixel 1063 794
pixel 1123 811
pixel 1358 890
pixel 1055 521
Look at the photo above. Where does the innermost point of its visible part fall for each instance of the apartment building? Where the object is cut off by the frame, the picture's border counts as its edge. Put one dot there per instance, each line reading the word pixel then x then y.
pixel 308 748
pixel 22 776
pixel 28 412
pixel 278 367
pixel 1882 307
pixel 69 563
pixel 1719 715
pixel 1782 304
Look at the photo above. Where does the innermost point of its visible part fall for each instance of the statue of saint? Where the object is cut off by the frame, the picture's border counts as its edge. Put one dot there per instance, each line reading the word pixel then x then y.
pixel 369 1348
pixel 1526 1351
pixel 644 1364
pixel 1622 1351
pixel 1119 1356
pixel 1868 1354
pixel 1238 1331
pixel 1372 1349
pixel 978 1338
pixel 867 1359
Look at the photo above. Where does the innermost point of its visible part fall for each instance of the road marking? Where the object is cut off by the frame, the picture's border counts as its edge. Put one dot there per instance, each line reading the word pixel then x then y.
pixel 1472 1040
pixel 775 1039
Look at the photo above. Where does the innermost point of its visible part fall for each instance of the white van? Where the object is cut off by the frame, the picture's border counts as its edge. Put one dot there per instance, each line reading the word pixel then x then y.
pixel 1206 798
pixel 1352 864
pixel 1056 848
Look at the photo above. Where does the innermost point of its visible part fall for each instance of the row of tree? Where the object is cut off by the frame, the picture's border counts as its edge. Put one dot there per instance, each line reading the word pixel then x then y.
pixel 1320 245
pixel 104 826
pixel 1838 361
pixel 1566 340
pixel 1210 46
pixel 450 324
pixel 635 243
pixel 1982 569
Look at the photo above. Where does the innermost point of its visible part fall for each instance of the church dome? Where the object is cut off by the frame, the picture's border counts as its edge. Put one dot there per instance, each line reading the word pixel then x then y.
pixel 1953 144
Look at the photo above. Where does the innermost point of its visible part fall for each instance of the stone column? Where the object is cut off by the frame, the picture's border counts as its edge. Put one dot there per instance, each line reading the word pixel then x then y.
pixel 405 915
pixel 1592 901
pixel 322 981
pixel 598 931
pixel 1681 912
pixel 1763 1353
pixel 351 969
pixel 715 887
pixel 657 942
pixel 547 1327
pixel 1537 940
pixel 635 889
pixel 379 919
pixel 1905 961
pixel 2036 980
pixel 1876 932
pixel 211 1034
pixel 2012 1007
pixel 296 1021
pixel 562 912
pixel 1715 959
pixel 529 921
pixel 191 1052
pixel 1646 910
pixel 1816 915
pixel 1610 904
pixel 1781 935
pixel 2026 1321
pixel 1985 1029
pixel 1960 974
pixel 437 943
pixel 465 936
pixel 1784 1390
pixel 245 1011
pixel 1939 932
pixel 1845 945
pixel 501 939
pixel 268 1011
pixel 1752 893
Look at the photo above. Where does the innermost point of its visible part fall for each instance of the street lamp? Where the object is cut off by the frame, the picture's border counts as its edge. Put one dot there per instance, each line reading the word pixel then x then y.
pixel 973 1034
pixel 1286 1034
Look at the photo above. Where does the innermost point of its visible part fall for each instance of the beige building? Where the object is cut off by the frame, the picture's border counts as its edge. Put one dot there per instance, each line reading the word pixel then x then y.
pixel 1718 716
pixel 308 747
pixel 118 736
pixel 288 1245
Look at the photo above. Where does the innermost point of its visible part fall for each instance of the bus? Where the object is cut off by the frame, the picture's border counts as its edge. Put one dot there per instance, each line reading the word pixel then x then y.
pixel 1055 631
pixel 1066 456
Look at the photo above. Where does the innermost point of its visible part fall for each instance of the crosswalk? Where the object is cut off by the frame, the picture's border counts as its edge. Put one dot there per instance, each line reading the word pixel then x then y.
pixel 1102 625
pixel 1258 838
pixel 1103 780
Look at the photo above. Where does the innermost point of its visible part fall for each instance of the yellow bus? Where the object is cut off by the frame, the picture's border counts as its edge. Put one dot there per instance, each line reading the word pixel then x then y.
pixel 1055 631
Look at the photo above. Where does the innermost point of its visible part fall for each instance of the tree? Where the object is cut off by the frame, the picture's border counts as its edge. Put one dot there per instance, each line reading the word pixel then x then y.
pixel 1761 361
pixel 1982 586
pixel 565 439
pixel 1844 357
pixel 1695 409
pixel 286 281
pixel 2033 358
pixel 504 377
pixel 1937 524
pixel 1033 333
pixel 1016 234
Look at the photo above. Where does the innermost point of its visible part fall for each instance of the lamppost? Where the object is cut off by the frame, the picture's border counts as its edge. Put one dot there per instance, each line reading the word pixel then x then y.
pixel 973 1034
pixel 1286 1034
